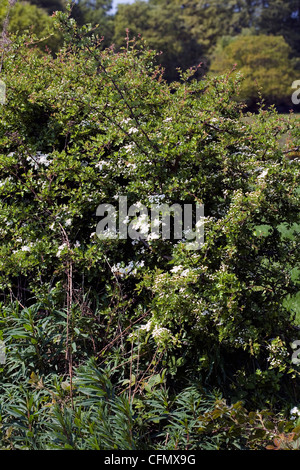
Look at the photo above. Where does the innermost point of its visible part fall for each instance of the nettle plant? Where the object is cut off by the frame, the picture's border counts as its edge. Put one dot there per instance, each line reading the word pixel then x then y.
pixel 84 126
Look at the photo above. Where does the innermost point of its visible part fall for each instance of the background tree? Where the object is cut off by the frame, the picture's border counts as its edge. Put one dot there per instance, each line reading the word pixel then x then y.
pixel 186 32
pixel 207 21
pixel 162 27
pixel 96 13
pixel 49 5
pixel 281 18
pixel 265 64
pixel 25 16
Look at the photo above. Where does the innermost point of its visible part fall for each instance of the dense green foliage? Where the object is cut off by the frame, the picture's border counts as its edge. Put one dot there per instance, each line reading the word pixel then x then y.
pixel 142 344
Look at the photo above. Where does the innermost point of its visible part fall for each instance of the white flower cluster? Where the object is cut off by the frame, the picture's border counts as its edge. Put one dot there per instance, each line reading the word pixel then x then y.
pixel 141 224
pixel 146 327
pixel 278 353
pixel 61 248
pixel 240 340
pixel 27 247
pixel 130 268
pixel 277 358
pixel 68 222
pixel 64 246
pixel 132 130
pixel 38 160
pixel 100 165
pixel 129 147
pixel 295 413
pixel 274 362
pixel 176 269
pixel 126 121
pixel 179 269
pixel 159 282
pixel 160 332
pixel 131 166
pixel 7 180
pixel 156 198
pixel 263 174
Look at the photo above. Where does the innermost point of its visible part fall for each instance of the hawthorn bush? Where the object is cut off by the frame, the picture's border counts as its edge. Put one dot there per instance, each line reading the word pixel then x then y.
pixel 151 327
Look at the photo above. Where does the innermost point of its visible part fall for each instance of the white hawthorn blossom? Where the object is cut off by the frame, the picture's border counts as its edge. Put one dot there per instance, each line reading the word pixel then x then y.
pixel 130 268
pixel 39 159
pixel 295 412
pixel 146 327
pixel 263 174
pixel 156 199
pixel 100 165
pixel 129 147
pixel 26 247
pixel 68 222
pixel 61 248
pixel 141 223
pixel 159 332
pixel 176 269
pixel 132 130
pixel 126 121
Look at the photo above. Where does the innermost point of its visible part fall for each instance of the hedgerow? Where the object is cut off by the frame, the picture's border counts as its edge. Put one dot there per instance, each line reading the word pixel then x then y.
pixel 131 344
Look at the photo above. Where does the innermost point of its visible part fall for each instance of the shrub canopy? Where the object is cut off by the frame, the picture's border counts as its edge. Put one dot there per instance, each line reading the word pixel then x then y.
pixel 83 127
